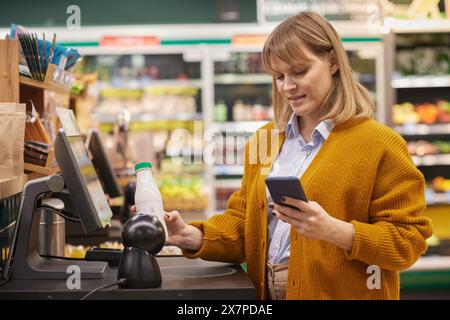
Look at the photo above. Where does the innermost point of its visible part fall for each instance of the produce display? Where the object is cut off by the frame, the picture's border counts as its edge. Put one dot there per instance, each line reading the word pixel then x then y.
pixel 422 147
pixel 182 193
pixel 437 192
pixel 427 113
pixel 167 101
pixel 424 61
pixel 440 184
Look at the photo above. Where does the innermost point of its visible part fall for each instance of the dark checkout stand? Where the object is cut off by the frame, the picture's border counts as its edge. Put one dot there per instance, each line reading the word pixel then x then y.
pixel 28 275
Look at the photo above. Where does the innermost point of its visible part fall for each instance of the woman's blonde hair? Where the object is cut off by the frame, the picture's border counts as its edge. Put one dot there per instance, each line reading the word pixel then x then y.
pixel 347 97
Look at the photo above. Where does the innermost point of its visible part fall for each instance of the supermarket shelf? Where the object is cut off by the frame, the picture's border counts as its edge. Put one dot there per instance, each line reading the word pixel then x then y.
pixel 431 263
pixel 175 83
pixel 438 81
pixel 432 160
pixel 423 129
pixel 175 117
pixel 418 25
pixel 141 85
pixel 148 117
pixel 243 79
pixel 240 126
pixel 437 198
pixel 229 170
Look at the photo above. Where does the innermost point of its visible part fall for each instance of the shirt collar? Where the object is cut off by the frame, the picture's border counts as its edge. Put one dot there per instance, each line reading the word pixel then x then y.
pixel 324 128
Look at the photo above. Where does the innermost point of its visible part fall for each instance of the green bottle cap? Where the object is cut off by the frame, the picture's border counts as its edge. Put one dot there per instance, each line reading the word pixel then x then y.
pixel 142 165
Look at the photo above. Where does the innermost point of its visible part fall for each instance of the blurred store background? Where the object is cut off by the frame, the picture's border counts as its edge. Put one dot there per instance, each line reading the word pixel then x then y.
pixel 151 67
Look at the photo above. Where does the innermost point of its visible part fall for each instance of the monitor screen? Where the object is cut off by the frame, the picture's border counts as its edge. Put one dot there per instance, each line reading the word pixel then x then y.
pixel 82 182
pixel 103 165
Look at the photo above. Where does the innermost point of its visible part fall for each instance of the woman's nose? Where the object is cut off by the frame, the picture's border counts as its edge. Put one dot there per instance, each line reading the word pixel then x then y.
pixel 288 85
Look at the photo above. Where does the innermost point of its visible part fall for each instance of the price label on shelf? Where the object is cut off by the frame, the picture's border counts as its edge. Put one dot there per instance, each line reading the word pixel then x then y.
pixel 129 41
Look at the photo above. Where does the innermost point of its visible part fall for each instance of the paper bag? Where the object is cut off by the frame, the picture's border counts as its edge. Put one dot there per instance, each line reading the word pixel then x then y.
pixel 12 131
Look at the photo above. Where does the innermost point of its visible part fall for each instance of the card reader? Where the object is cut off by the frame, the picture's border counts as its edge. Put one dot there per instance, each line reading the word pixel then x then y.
pixel 112 256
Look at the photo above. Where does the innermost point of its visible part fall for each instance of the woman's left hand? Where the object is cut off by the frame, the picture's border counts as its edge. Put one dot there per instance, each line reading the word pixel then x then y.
pixel 309 218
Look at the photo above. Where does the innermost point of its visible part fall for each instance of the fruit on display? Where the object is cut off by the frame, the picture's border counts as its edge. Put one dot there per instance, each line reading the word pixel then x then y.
pixel 182 193
pixel 422 147
pixel 404 113
pixel 441 184
pixel 427 113
pixel 433 240
pixel 443 111
pixel 443 146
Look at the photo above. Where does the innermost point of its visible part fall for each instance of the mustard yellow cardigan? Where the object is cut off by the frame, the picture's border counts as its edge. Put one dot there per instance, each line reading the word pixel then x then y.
pixel 363 174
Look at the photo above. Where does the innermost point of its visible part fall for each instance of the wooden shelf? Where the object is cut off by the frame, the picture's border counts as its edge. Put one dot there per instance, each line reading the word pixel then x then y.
pixel 39 169
pixel 33 83
pixel 56 80
pixel 42 85
pixel 32 176
pixel 10 187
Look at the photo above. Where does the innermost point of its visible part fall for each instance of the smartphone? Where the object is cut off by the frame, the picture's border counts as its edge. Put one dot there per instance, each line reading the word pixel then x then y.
pixel 285 187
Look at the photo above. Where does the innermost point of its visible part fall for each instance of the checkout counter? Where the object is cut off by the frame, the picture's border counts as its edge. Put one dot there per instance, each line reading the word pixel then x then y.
pixel 182 279
pixel 77 195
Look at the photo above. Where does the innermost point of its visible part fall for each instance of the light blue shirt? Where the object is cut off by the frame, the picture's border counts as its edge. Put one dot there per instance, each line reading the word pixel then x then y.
pixel 295 157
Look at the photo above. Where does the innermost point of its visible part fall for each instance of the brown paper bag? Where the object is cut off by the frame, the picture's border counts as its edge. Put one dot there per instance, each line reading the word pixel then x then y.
pixel 6 121
pixel 18 134
pixel 12 131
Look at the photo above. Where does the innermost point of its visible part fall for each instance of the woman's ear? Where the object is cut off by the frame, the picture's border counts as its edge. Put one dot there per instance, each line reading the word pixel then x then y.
pixel 334 66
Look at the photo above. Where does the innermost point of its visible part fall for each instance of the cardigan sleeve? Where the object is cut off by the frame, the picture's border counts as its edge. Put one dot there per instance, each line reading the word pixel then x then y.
pixel 395 236
pixel 223 234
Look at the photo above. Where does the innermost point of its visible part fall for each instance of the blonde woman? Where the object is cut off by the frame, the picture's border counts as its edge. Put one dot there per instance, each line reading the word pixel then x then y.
pixel 364 218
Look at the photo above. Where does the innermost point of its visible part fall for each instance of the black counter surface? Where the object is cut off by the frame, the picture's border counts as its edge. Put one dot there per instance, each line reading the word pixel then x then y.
pixel 182 279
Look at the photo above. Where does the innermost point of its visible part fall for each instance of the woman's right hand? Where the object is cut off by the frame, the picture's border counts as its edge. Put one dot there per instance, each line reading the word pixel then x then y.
pixel 180 234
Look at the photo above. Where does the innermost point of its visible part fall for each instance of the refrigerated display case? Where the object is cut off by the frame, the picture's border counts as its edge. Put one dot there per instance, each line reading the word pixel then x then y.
pixel 418 101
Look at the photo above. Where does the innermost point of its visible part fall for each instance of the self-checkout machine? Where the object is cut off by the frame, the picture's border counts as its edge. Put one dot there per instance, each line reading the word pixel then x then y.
pixel 77 195
pixel 77 184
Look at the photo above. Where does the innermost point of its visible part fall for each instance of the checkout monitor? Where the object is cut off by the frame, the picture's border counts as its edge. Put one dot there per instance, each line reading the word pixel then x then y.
pixel 82 182
pixel 102 164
